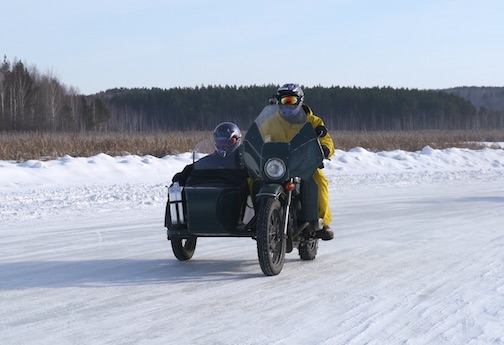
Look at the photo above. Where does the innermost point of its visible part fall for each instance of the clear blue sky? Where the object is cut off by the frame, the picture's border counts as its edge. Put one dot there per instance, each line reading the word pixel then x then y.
pixel 96 45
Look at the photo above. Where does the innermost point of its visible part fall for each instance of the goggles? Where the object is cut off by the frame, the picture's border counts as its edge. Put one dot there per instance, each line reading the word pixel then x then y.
pixel 225 142
pixel 289 100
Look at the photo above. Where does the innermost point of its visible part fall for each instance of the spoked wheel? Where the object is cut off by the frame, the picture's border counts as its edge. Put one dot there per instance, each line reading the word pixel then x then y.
pixel 308 249
pixel 183 248
pixel 270 237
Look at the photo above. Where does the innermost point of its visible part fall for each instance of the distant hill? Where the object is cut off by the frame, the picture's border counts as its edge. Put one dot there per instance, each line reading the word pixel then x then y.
pixel 491 98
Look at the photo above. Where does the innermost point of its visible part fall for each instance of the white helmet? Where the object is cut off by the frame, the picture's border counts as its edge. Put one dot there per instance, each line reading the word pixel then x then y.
pixel 290 99
pixel 227 137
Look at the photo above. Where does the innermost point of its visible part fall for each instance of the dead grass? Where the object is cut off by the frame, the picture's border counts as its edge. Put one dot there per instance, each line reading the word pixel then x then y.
pixel 39 145
pixel 415 140
pixel 24 146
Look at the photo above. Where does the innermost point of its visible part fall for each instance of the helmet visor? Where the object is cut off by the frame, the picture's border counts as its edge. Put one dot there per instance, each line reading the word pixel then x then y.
pixel 225 142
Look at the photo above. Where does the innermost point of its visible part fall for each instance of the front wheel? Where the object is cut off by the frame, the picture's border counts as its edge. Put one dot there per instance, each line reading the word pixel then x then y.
pixel 270 237
pixel 183 248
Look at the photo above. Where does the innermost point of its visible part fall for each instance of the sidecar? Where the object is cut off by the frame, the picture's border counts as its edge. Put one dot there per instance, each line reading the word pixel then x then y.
pixel 208 206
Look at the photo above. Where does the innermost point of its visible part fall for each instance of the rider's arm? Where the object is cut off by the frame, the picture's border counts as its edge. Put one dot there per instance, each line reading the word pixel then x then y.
pixel 325 140
pixel 182 176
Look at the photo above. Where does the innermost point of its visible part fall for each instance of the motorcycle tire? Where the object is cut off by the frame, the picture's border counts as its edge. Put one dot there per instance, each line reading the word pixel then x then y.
pixel 308 249
pixel 183 248
pixel 271 243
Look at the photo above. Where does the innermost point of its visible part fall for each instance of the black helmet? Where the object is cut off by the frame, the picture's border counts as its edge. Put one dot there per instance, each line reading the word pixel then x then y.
pixel 290 100
pixel 227 137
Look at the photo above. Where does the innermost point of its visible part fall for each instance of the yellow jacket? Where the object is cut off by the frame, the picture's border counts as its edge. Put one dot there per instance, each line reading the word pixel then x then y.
pixel 278 129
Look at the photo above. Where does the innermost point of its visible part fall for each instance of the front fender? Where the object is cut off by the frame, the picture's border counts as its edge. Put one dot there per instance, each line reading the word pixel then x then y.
pixel 270 190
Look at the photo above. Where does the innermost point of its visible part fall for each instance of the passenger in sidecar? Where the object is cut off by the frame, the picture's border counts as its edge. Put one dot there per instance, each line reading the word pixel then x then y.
pixel 208 198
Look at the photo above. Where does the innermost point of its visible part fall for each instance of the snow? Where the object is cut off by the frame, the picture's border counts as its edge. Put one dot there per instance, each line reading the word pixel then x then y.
pixel 417 257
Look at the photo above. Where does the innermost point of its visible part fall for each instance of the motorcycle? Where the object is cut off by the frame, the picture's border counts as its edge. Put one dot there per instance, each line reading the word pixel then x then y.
pixel 279 209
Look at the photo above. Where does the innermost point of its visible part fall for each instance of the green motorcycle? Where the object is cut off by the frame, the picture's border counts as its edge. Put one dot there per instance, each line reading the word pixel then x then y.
pixel 279 208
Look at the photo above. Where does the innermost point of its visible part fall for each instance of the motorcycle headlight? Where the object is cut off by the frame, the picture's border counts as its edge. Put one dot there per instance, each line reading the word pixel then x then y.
pixel 274 168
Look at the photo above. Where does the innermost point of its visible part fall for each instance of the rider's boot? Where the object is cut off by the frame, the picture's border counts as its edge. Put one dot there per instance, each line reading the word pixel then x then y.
pixel 326 233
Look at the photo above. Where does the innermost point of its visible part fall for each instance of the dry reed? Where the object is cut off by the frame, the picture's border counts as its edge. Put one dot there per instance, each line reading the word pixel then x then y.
pixel 415 140
pixel 43 146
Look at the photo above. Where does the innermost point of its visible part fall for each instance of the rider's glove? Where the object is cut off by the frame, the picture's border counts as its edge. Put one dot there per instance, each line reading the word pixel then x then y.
pixel 321 131
pixel 326 151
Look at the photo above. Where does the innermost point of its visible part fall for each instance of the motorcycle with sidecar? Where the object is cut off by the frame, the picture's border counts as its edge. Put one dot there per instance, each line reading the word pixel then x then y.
pixel 279 209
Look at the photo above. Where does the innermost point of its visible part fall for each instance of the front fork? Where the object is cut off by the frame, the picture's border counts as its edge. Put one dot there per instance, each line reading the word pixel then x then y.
pixel 287 209
pixel 287 212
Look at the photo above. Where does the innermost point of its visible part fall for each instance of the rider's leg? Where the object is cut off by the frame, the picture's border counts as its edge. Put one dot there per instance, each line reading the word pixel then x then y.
pixel 323 197
pixel 324 208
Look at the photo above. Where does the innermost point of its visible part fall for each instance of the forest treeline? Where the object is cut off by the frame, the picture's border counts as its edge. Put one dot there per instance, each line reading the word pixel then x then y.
pixel 34 101
pixel 30 100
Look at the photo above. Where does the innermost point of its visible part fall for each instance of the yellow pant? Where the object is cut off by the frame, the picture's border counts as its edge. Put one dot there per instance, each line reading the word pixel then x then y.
pixel 324 211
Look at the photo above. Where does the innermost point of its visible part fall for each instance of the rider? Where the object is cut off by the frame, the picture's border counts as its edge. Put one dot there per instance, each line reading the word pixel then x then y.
pixel 222 166
pixel 293 112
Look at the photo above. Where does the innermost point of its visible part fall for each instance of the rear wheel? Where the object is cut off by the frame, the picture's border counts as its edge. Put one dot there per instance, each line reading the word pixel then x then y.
pixel 308 249
pixel 183 248
pixel 270 237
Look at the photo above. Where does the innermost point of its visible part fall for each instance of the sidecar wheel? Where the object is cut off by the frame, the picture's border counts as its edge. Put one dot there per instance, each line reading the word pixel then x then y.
pixel 271 242
pixel 308 249
pixel 183 248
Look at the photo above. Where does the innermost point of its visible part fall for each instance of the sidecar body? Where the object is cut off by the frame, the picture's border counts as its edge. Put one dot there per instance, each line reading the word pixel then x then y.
pixel 208 210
